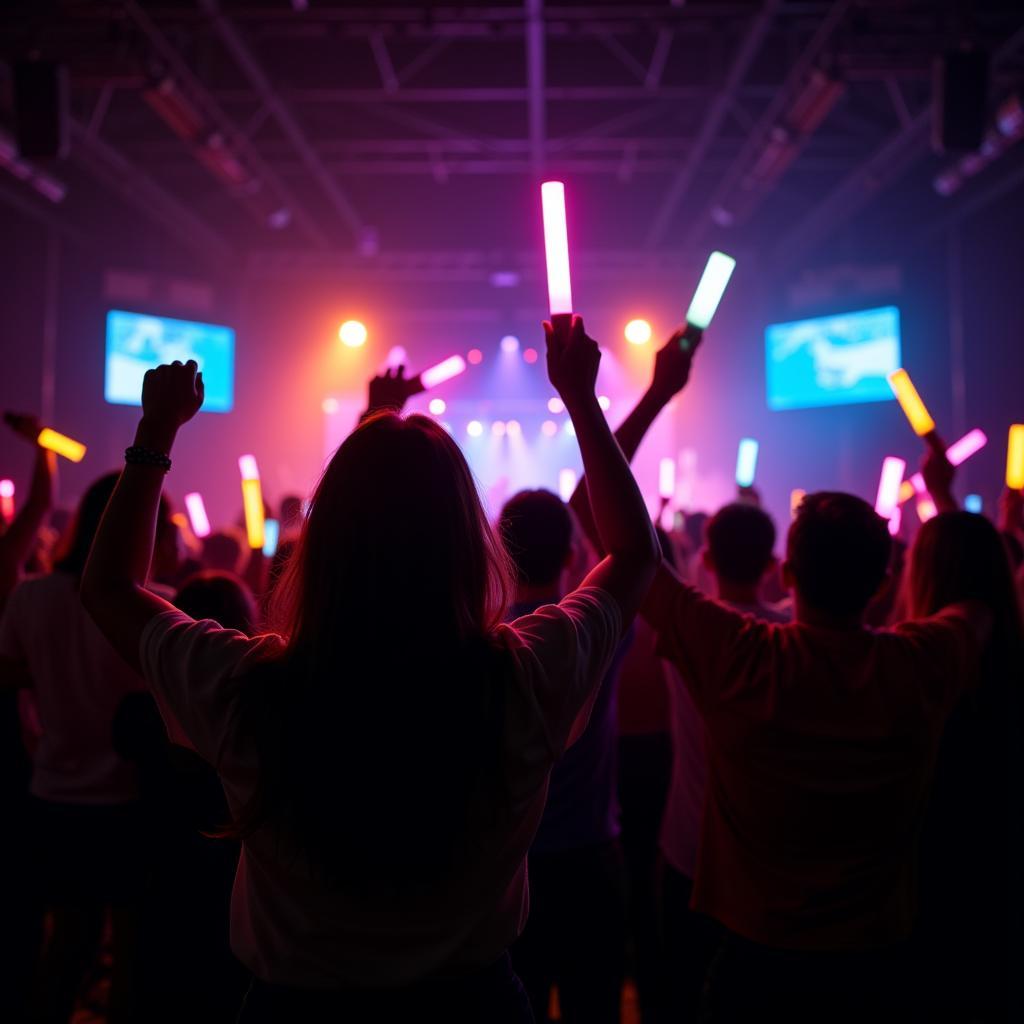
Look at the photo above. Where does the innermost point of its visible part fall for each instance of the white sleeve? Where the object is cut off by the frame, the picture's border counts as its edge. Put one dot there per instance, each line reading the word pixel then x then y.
pixel 562 653
pixel 192 669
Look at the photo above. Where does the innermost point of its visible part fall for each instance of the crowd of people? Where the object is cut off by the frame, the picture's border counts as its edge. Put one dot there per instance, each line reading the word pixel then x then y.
pixel 425 767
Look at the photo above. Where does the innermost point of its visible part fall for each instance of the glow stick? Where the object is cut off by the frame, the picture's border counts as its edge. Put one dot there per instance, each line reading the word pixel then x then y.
pixel 556 247
pixel 907 489
pixel 667 478
pixel 926 509
pixel 566 483
pixel 957 453
pixel 7 500
pixel 746 462
pixel 973 503
pixel 197 516
pixel 710 289
pixel 73 451
pixel 252 500
pixel 248 468
pixel 450 367
pixel 910 402
pixel 796 499
pixel 888 497
pixel 1015 458
pixel 895 521
pixel 271 533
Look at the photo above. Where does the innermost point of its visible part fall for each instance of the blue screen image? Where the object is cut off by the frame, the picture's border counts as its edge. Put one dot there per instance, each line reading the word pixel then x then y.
pixel 833 360
pixel 136 342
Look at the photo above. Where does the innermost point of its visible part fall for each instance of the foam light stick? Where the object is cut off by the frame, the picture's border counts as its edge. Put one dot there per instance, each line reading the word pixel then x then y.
pixel 957 453
pixel 252 500
pixel 7 500
pixel 73 451
pixel 973 503
pixel 566 483
pixel 710 289
pixel 888 497
pixel 895 521
pixel 796 499
pixel 746 462
pixel 910 402
pixel 445 370
pixel 271 535
pixel 197 516
pixel 1015 458
pixel 926 509
pixel 556 248
pixel 667 478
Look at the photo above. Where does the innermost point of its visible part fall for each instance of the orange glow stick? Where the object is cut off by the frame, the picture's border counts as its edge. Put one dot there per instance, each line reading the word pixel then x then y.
pixel 910 401
pixel 49 439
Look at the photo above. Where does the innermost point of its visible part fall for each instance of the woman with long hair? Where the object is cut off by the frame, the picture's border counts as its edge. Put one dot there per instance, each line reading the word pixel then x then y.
pixel 386 752
pixel 970 872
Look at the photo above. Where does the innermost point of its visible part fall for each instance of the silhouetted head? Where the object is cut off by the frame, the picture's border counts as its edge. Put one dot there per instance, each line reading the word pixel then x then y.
pixel 837 553
pixel 739 543
pixel 220 596
pixel 222 550
pixel 537 529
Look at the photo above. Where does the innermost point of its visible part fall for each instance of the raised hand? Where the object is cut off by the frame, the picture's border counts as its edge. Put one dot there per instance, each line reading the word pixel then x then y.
pixel 672 364
pixel 391 390
pixel 25 424
pixel 172 394
pixel 572 359
pixel 938 473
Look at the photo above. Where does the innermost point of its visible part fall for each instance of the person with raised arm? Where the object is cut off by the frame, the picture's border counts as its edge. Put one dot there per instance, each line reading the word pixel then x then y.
pixel 386 754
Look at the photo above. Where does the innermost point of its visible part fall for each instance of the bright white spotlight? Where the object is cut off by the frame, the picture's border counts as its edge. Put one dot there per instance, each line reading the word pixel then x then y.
pixel 570 428
pixel 474 428
pixel 566 483
pixel 549 428
pixel 605 402
pixel 330 406
pixel 513 429
pixel 352 333
pixel 638 332
pixel 556 405
pixel 437 406
pixel 498 428
pixel 510 343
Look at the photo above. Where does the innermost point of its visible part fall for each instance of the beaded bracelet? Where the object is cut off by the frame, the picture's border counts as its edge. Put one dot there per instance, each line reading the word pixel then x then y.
pixel 136 455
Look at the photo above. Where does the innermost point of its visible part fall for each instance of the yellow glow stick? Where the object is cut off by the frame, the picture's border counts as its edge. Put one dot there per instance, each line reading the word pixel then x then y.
pixel 1015 458
pixel 906 491
pixel 252 499
pixel 49 439
pixel 910 401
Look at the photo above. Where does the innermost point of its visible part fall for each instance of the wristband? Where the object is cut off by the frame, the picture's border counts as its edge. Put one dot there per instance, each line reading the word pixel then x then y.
pixel 136 455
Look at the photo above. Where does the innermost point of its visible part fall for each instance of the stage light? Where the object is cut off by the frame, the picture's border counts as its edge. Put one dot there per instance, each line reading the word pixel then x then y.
pixel 397 356
pixel 888 496
pixel 445 370
pixel 352 333
pixel 513 429
pixel 330 406
pixel 746 462
pixel 7 500
pixel 197 517
pixel 549 428
pixel 73 451
pixel 475 356
pixel 973 503
pixel 667 478
pixel 510 344
pixel 530 355
pixel 710 289
pixel 566 483
pixel 796 499
pixel 498 428
pixel 1015 458
pixel 910 402
pixel 437 406
pixel 474 428
pixel 556 405
pixel 271 535
pixel 638 332
pixel 604 402
pixel 556 247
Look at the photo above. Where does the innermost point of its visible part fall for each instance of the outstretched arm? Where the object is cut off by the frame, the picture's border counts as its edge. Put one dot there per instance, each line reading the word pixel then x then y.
pixel 938 473
pixel 113 585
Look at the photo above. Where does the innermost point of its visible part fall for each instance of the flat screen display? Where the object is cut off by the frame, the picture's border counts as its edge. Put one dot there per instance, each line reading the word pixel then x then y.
pixel 832 360
pixel 136 342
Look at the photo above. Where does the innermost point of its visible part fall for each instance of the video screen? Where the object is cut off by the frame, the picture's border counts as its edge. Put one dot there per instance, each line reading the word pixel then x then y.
pixel 832 360
pixel 136 342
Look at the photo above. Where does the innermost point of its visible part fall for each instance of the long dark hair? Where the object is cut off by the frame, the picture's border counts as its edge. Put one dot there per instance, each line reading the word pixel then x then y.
pixel 379 723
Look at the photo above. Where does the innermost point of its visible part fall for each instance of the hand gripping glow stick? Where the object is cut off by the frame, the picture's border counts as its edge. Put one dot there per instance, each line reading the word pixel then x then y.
pixel 197 516
pixel 566 483
pixel 887 500
pixel 910 402
pixel 74 451
pixel 710 289
pixel 252 500
pixel 271 534
pixel 7 500
pixel 667 478
pixel 556 247
pixel 957 453
pixel 1015 458
pixel 450 367
pixel 746 462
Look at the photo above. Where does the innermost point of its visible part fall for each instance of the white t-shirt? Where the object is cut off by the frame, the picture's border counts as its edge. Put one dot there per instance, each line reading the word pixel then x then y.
pixel 684 808
pixel 78 681
pixel 287 926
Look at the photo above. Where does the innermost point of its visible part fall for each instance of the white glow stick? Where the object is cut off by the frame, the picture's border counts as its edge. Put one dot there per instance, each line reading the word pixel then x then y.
pixel 450 367
pixel 566 483
pixel 667 478
pixel 957 453
pixel 271 533
pixel 197 516
pixel 248 468
pixel 710 289
pixel 556 247
pixel 746 462
pixel 888 497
